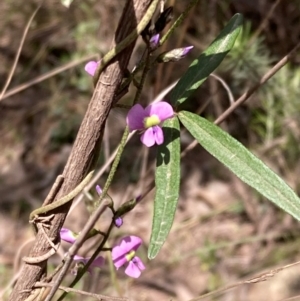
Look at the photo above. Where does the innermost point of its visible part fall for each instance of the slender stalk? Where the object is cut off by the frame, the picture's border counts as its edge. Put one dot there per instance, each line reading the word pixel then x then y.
pixel 178 21
pixel 143 79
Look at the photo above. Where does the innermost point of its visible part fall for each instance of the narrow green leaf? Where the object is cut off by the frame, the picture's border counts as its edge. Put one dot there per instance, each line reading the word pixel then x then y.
pixel 167 181
pixel 242 162
pixel 207 62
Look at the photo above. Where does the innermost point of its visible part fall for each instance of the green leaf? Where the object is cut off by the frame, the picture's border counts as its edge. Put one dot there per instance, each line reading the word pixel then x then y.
pixel 167 181
pixel 242 162
pixel 207 62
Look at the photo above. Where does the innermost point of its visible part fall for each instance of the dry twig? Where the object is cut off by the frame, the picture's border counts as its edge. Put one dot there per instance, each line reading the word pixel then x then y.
pixel 14 66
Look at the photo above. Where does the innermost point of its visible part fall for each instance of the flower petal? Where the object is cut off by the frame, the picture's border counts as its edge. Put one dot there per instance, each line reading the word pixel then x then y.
pixel 148 138
pixel 135 118
pixel 119 252
pixel 135 242
pixel 162 109
pixel 91 67
pixel 79 258
pixel 132 270
pixel 154 41
pixel 98 189
pixel 118 257
pixel 67 235
pixel 187 50
pixel 158 135
pixel 119 261
pixel 138 262
pixel 127 244
pixel 98 262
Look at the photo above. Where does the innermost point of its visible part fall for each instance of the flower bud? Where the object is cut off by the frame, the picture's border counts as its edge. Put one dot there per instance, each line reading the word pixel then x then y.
pixel 154 41
pixel 126 207
pixel 174 55
pixel 98 189
pixel 118 222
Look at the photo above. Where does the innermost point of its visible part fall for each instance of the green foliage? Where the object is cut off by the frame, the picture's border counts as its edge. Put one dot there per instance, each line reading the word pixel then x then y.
pixel 84 35
pixel 279 118
pixel 275 120
pixel 167 181
pixel 248 60
pixel 64 132
pixel 207 62
pixel 167 176
pixel 242 162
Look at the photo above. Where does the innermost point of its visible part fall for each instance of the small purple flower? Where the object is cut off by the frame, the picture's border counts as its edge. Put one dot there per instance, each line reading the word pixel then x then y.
pixel 125 252
pixel 149 119
pixel 118 222
pixel 91 67
pixel 97 263
pixel 67 235
pixel 98 189
pixel 154 41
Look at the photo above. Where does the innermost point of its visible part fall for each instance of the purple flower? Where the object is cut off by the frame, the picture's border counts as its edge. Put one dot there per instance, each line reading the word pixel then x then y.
pixel 118 222
pixel 149 119
pixel 98 189
pixel 154 41
pixel 67 235
pixel 97 263
pixel 91 67
pixel 125 252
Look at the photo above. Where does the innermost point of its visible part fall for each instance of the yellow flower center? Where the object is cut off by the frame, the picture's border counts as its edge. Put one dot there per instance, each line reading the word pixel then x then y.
pixel 151 121
pixel 130 255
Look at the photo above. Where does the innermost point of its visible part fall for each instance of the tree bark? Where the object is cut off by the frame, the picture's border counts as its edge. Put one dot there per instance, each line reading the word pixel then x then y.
pixel 86 146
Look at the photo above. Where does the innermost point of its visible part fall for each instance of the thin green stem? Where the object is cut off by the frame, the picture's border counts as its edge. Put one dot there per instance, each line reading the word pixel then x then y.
pixel 143 78
pixel 116 161
pixel 178 21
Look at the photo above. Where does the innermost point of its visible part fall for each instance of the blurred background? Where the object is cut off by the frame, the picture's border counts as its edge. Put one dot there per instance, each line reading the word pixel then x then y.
pixel 224 231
